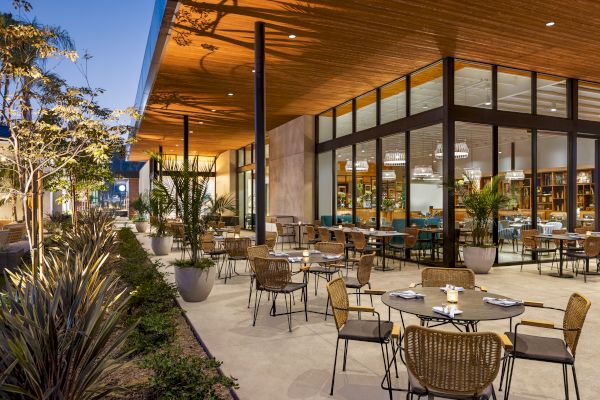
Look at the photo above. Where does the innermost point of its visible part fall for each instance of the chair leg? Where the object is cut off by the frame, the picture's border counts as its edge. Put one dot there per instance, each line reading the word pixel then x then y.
pixel 250 294
pixel 256 306
pixel 575 381
pixel 510 370
pixel 504 361
pixel 386 357
pixel 305 301
pixel 345 354
pixel 288 310
pixel 337 345
pixel 566 381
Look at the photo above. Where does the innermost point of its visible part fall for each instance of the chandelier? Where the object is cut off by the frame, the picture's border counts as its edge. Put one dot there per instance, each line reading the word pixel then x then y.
pixel 461 150
pixel 422 171
pixel 394 159
pixel 515 175
pixel 359 166
pixel 472 174
pixel 388 175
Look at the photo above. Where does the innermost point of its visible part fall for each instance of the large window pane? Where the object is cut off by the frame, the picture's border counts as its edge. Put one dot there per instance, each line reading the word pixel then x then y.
pixel 585 184
pixel 514 90
pixel 393 185
pixel 343 119
pixel 343 158
pixel 366 111
pixel 589 101
pixel 472 84
pixel 393 101
pixel 366 184
pixel 514 166
pixel 551 95
pixel 325 174
pixel 325 121
pixel 426 89
pixel 552 178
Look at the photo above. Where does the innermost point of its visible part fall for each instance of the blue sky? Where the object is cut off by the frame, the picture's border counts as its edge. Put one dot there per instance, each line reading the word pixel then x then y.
pixel 114 32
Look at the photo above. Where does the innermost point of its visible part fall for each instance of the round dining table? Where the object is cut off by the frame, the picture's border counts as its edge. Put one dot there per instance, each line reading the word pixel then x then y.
pixel 470 302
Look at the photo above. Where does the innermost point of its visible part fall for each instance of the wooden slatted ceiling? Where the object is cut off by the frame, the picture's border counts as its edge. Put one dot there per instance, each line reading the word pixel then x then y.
pixel 343 48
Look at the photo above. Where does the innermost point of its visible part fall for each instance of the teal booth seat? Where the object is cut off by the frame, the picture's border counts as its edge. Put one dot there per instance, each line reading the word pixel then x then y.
pixel 344 219
pixel 398 225
pixel 326 220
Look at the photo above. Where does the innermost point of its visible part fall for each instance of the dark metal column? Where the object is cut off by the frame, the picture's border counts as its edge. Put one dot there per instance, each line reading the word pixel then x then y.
pixel 448 141
pixel 596 183
pixel 495 150
pixel 378 180
pixel 260 129
pixel 186 139
pixel 571 157
pixel 407 164
pixel 534 180
pixel 353 184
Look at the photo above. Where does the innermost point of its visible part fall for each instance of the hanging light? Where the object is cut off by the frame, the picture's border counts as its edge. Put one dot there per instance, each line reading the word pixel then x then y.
pixel 461 150
pixel 394 159
pixel 359 166
pixel 388 175
pixel 472 174
pixel 422 171
pixel 515 175
pixel 435 177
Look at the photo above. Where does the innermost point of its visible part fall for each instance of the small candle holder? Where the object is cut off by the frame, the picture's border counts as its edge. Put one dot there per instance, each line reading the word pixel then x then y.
pixel 236 235
pixel 340 227
pixel 299 222
pixel 371 229
pixel 305 253
pixel 452 296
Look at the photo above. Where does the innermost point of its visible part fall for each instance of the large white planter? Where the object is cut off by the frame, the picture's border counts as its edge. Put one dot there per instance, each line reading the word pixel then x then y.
pixel 195 284
pixel 479 259
pixel 142 227
pixel 161 245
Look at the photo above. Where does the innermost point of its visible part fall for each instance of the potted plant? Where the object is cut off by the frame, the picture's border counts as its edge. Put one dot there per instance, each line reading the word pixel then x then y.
pixel 161 205
pixel 481 205
pixel 141 208
pixel 387 207
pixel 194 274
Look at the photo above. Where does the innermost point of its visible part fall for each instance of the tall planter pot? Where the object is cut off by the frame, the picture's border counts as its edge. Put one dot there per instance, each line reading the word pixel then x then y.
pixel 161 245
pixel 142 226
pixel 479 259
pixel 195 284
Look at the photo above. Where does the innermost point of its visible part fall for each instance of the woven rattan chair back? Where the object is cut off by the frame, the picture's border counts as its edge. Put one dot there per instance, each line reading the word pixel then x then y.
pixel 221 224
pixel 310 232
pixel 339 301
pixel 236 247
pixel 257 251
pixel 591 246
pixel 330 247
pixel 365 265
pixel 317 223
pixel 272 273
pixel 530 238
pixel 574 318
pixel 582 230
pixel 323 234
pixel 213 224
pixel 279 227
pixel 15 233
pixel 207 242
pixel 237 229
pixel 351 226
pixel 561 231
pixel 340 236
pixel 439 277
pixel 410 241
pixel 359 240
pixel 452 363
pixel 271 239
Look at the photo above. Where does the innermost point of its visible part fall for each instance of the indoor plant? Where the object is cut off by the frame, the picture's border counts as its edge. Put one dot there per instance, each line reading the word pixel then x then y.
pixel 481 205
pixel 141 208
pixel 160 205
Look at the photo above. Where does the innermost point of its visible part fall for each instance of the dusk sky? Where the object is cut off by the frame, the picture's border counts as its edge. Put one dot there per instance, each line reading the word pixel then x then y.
pixel 114 32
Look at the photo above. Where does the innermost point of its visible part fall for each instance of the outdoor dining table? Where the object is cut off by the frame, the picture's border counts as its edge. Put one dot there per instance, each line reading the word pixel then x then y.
pixel 470 302
pixel 561 239
pixel 298 225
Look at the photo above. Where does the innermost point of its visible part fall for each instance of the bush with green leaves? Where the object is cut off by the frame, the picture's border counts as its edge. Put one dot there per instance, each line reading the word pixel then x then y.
pixel 178 376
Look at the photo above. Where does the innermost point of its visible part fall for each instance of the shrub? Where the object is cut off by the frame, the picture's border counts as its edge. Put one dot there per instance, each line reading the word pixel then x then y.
pixel 177 376
pixel 152 331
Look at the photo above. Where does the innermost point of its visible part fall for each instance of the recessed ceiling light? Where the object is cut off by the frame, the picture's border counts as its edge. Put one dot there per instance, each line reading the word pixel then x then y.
pixel 292 36
pixel 176 145
pixel 213 110
pixel 488 103
pixel 201 122
pixel 362 151
pixel 499 152
pixel 551 23
pixel 253 70
pixel 191 131
pixel 229 94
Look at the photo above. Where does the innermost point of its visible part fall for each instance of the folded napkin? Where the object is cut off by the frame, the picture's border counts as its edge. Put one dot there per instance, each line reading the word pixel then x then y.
pixel 294 259
pixel 447 311
pixel 331 256
pixel 277 254
pixel 314 252
pixel 219 237
pixel 450 287
pixel 408 294
pixel 502 302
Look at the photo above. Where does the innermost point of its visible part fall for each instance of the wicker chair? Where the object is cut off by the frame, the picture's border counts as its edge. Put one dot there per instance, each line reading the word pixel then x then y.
pixel 311 235
pixel 439 277
pixel 359 242
pixel 451 364
pixel 253 252
pixel 363 277
pixel 591 250
pixel 532 244
pixel 274 275
pixel 283 234
pixel 373 331
pixel 271 239
pixel 237 250
pixel 237 230
pixel 324 234
pixel 326 270
pixel 221 224
pixel 409 243
pixel 340 237
pixel 548 349
pixel 209 248
pixel 317 223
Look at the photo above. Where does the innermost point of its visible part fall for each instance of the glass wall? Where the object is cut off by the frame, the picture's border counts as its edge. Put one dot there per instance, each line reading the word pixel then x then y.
pixel 586 186
pixel 426 89
pixel 472 84
pixel 366 111
pixel 344 188
pixel 393 101
pixel 514 90
pixel 343 119
pixel 514 166
pixel 393 183
pixel 551 95
pixel 589 101
pixel 325 122
pixel 325 183
pixel 366 184
pixel 552 180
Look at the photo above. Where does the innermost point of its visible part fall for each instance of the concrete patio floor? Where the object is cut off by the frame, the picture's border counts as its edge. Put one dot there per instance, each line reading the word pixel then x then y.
pixel 272 363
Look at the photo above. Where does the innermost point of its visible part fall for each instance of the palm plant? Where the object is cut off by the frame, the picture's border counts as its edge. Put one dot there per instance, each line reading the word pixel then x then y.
pixel 481 205
pixel 219 204
pixel 160 205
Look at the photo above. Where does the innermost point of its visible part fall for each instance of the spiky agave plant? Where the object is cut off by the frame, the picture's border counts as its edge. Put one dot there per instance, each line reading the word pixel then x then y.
pixel 58 331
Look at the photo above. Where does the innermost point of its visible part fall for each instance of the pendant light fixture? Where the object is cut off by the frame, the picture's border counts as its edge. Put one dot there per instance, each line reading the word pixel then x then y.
pixel 359 166
pixel 422 171
pixel 394 158
pixel 388 175
pixel 461 150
